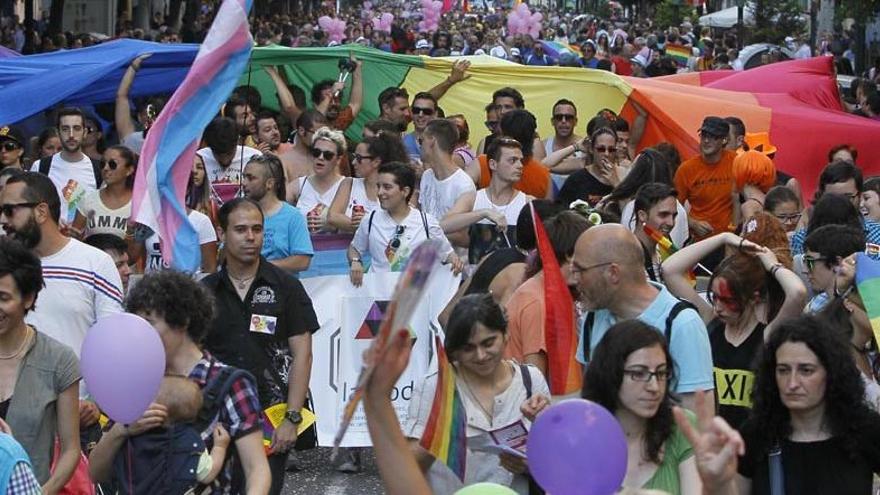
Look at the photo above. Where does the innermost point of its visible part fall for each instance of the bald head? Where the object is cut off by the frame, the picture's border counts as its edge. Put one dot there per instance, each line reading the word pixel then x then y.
pixel 610 243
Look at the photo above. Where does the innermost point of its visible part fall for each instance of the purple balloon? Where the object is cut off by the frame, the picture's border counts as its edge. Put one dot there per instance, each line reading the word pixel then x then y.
pixel 123 362
pixel 577 447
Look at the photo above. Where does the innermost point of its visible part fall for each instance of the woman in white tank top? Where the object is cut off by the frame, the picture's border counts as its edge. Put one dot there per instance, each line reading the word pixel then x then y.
pixel 356 196
pixel 315 193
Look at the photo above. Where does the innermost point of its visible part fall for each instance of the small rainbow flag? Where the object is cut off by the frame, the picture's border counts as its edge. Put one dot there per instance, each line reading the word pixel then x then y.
pixel 667 247
pixel 681 54
pixel 559 329
pixel 445 433
pixel 868 283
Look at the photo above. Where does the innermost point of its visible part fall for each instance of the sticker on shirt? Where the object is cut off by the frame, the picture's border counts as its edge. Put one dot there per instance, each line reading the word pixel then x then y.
pixel 73 192
pixel 263 324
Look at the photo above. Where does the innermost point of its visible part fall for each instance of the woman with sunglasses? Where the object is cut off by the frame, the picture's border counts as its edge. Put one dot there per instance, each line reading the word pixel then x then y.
pixel 630 375
pixel 492 390
pixel 601 172
pixel 314 193
pixel 750 293
pixel 356 196
pixel 107 210
pixel 391 233
pixel 11 148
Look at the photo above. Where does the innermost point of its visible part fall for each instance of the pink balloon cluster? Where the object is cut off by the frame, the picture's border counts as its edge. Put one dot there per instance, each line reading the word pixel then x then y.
pixel 367 12
pixel 335 28
pixel 430 15
pixel 383 23
pixel 522 21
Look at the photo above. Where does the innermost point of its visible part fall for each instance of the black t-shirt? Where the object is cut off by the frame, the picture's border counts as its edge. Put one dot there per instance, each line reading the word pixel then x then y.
pixel 814 467
pixel 253 334
pixel 734 371
pixel 584 186
pixel 491 267
pixel 4 407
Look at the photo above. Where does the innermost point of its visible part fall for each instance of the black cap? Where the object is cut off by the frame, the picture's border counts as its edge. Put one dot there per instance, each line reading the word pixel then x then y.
pixel 715 126
pixel 8 133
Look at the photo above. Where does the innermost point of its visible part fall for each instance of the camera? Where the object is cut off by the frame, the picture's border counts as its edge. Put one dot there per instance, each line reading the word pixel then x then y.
pixel 346 64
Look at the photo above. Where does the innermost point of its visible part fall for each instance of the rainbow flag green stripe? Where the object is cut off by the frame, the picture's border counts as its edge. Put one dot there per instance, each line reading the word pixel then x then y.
pixel 868 283
pixel 445 435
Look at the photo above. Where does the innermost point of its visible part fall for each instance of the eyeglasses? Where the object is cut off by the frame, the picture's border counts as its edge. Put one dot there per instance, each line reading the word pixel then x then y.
pixel 109 163
pixel 358 157
pixel 328 155
pixel 605 149
pixel 792 218
pixel 577 269
pixel 422 111
pixel 491 124
pixel 643 375
pixel 810 262
pixel 9 208
pixel 10 146
pixel 564 117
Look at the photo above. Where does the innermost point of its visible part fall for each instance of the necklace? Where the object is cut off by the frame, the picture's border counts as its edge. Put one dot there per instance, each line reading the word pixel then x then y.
pixel 477 399
pixel 242 283
pixel 24 341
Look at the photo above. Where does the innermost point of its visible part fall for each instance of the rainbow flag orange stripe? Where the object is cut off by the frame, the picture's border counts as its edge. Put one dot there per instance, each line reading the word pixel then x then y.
pixel 445 434
pixel 559 330
pixel 667 247
pixel 680 54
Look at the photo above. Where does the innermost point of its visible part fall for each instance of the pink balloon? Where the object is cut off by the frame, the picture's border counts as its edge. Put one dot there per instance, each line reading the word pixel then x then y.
pixel 535 31
pixel 324 22
pixel 437 4
pixel 426 4
pixel 387 18
pixel 536 17
pixel 123 362
pixel 368 5
pixel 377 24
pixel 522 8
pixel 514 24
pixel 423 26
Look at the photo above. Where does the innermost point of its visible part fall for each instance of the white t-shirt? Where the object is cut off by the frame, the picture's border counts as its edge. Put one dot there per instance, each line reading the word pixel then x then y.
pixel 438 196
pixel 309 197
pixel 103 220
pixel 510 210
pixel 134 141
pixel 680 232
pixel 82 285
pixel 227 181
pixel 377 239
pixel 153 246
pixel 358 197
pixel 74 180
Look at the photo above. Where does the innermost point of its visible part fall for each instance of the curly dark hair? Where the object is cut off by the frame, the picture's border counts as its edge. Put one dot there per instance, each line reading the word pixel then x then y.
pixel 177 298
pixel 846 411
pixel 24 267
pixel 604 377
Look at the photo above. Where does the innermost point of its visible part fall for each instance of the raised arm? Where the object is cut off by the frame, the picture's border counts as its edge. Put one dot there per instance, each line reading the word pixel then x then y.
pixel 792 286
pixel 356 99
pixel 122 115
pixel 458 74
pixel 285 98
pixel 638 128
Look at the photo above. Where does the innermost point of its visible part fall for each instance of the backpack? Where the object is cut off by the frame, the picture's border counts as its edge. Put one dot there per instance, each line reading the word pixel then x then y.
pixel 46 164
pixel 667 332
pixel 164 461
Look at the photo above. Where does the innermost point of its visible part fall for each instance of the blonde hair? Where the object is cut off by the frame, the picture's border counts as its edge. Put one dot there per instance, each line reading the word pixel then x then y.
pixel 334 136
pixel 181 396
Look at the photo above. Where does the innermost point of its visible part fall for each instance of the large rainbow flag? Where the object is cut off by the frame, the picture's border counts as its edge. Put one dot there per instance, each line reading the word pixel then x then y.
pixel 167 156
pixel 445 435
pixel 868 283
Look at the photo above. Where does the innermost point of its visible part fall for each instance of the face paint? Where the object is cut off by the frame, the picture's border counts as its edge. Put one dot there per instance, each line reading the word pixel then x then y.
pixel 726 297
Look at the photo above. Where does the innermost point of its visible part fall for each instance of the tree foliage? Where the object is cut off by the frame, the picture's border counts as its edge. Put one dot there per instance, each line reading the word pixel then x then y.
pixel 776 19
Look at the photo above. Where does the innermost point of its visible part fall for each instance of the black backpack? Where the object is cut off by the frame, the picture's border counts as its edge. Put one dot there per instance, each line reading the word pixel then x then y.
pixel 46 165
pixel 667 332
pixel 164 461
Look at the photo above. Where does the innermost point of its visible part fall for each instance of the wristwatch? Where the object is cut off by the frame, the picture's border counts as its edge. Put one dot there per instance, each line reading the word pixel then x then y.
pixel 354 260
pixel 294 417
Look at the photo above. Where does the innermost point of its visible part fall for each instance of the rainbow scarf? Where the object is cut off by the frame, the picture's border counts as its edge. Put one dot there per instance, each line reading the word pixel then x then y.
pixel 445 433
pixel 167 158
pixel 559 329
pixel 868 283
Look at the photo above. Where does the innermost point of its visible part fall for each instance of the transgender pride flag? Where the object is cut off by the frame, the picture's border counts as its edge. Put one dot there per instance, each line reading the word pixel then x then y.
pixel 167 155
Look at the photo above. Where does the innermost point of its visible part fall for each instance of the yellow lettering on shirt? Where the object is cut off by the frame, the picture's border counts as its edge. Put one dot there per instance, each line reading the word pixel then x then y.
pixel 734 387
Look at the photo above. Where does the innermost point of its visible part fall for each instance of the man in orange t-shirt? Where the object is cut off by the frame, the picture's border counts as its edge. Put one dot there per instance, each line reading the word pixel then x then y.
pixel 706 181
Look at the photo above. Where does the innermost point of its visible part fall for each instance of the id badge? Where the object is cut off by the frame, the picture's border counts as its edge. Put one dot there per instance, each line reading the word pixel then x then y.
pixel 263 324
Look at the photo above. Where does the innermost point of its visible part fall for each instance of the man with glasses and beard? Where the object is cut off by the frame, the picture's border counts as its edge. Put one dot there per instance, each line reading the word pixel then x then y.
pixel 564 120
pixel 82 283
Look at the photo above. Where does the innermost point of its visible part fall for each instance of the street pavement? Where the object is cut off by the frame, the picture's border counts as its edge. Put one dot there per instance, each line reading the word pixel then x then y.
pixel 318 476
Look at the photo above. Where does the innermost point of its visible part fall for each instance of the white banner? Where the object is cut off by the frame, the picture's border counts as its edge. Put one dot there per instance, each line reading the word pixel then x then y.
pixel 349 318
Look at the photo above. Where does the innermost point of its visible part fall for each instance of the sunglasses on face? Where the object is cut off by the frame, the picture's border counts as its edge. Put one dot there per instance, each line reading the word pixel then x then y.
pixel 358 157
pixel 564 117
pixel 605 149
pixel 9 209
pixel 109 163
pixel 10 146
pixel 810 262
pixel 422 111
pixel 328 155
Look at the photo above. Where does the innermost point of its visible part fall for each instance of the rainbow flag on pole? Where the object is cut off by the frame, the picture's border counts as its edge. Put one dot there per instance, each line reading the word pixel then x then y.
pixel 559 329
pixel 868 283
pixel 167 157
pixel 445 433
pixel 681 54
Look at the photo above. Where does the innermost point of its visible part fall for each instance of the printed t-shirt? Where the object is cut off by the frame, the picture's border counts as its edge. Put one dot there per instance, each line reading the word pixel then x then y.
pixel 103 220
pixel 708 189
pixel 153 245
pixel 74 180
pixel 734 370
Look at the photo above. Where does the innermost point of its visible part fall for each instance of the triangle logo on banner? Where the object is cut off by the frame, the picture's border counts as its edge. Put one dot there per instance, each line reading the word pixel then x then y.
pixel 370 327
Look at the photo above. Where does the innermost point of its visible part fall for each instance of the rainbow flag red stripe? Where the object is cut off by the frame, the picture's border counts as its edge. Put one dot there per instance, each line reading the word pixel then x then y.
pixel 680 54
pixel 445 433
pixel 559 330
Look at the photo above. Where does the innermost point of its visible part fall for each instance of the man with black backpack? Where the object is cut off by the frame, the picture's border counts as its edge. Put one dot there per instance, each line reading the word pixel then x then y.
pixel 73 172
pixel 608 268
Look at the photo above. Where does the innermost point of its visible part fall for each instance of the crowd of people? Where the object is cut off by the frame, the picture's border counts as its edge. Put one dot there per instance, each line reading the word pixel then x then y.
pixel 705 285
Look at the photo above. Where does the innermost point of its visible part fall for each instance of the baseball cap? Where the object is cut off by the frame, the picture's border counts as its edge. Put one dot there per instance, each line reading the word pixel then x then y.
pixel 514 51
pixel 422 44
pixel 715 126
pixel 8 133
